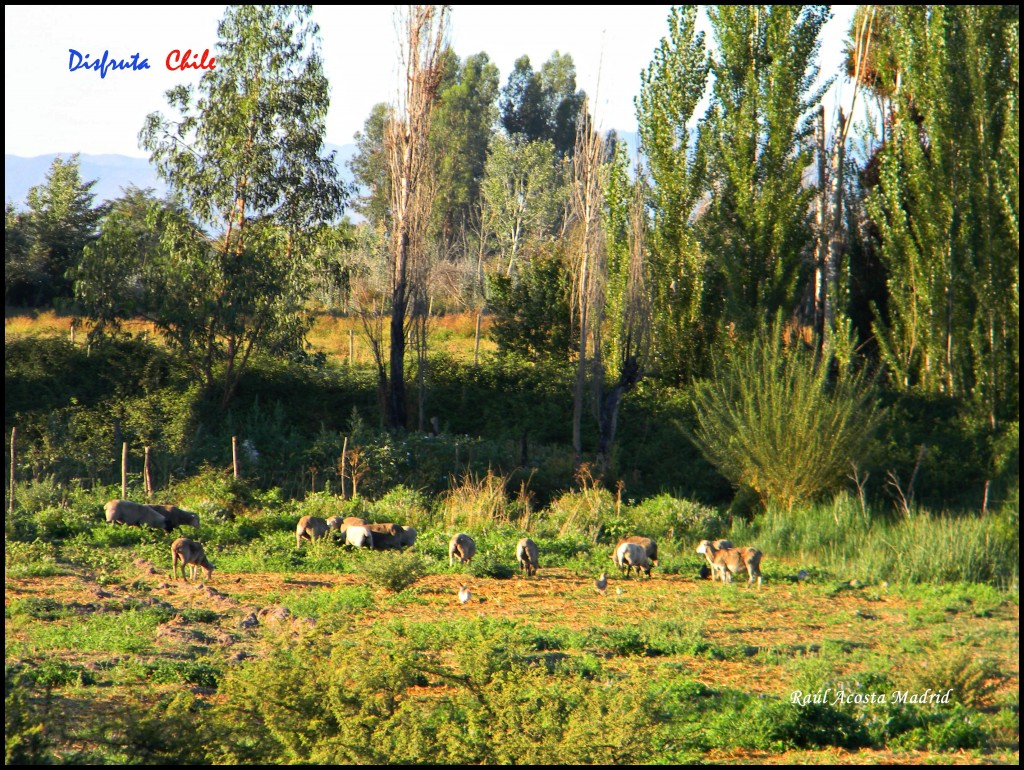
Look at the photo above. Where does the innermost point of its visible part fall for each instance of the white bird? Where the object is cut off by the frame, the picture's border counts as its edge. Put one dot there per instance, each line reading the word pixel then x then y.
pixel 601 583
pixel 464 594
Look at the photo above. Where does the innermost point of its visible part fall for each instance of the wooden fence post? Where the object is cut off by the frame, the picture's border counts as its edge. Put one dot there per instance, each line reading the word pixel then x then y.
pixel 234 455
pixel 124 470
pixel 10 506
pixel 147 476
pixel 476 345
pixel 344 452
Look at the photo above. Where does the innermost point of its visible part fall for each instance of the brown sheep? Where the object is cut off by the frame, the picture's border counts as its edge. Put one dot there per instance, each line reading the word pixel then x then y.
pixel 135 514
pixel 386 537
pixel 408 537
pixel 312 527
pixel 718 546
pixel 733 561
pixel 526 554
pixel 189 552
pixel 177 517
pixel 463 546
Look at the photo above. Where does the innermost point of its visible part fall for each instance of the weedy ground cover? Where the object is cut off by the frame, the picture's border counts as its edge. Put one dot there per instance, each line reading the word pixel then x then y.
pixel 292 659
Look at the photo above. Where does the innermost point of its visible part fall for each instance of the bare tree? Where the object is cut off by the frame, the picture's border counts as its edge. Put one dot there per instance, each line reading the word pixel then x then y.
pixel 423 29
pixel 589 265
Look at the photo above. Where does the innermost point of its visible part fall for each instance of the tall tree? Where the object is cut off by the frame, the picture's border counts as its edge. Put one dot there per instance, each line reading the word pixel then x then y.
pixel 245 158
pixel 24 266
pixel 758 130
pixel 521 195
pixel 62 221
pixel 543 105
pixel 369 166
pixel 524 111
pixel 460 134
pixel 671 88
pixel 946 207
pixel 424 28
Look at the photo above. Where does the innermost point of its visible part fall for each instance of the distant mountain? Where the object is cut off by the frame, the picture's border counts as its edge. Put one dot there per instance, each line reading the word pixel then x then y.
pixel 116 172
pixel 111 172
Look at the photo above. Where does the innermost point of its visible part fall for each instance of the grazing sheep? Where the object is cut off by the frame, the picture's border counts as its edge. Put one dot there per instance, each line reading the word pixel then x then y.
pixel 463 546
pixel 733 561
pixel 718 545
pixel 526 555
pixel 177 517
pixel 386 537
pixel 189 552
pixel 359 537
pixel 650 548
pixel 632 555
pixel 408 537
pixel 136 514
pixel 312 527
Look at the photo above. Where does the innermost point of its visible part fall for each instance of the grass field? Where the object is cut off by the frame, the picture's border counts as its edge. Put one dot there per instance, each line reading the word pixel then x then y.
pixel 710 670
pixel 306 656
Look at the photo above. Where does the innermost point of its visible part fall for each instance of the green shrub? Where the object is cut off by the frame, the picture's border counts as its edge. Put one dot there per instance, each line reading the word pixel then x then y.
pixel 491 565
pixel 30 559
pixel 393 570
pixel 774 420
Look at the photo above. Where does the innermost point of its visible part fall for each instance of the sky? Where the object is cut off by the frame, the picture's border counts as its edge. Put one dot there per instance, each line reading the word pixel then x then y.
pixel 51 109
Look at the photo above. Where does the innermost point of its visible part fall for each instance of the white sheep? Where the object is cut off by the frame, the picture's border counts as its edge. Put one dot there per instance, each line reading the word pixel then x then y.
pixel 650 548
pixel 359 537
pixel 727 562
pixel 526 555
pixel 189 552
pixel 312 527
pixel 463 546
pixel 135 514
pixel 632 555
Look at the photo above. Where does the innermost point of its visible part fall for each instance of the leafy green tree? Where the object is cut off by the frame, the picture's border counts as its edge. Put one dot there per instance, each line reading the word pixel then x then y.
pixel 671 88
pixel 531 311
pixel 369 166
pixel 946 207
pixel 523 194
pixel 543 105
pixel 460 134
pixel 62 219
pixel 757 131
pixel 245 157
pixel 24 266
pixel 564 102
pixel 524 111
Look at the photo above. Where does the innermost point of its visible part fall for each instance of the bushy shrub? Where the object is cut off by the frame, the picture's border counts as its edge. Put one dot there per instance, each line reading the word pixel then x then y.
pixel 404 506
pixel 774 419
pixel 393 570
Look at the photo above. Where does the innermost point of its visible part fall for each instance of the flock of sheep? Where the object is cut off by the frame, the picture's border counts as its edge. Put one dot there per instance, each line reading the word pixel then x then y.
pixel 635 553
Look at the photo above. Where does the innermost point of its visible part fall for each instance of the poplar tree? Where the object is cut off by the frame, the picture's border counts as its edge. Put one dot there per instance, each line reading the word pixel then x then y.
pixel 947 207
pixel 758 132
pixel 671 88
